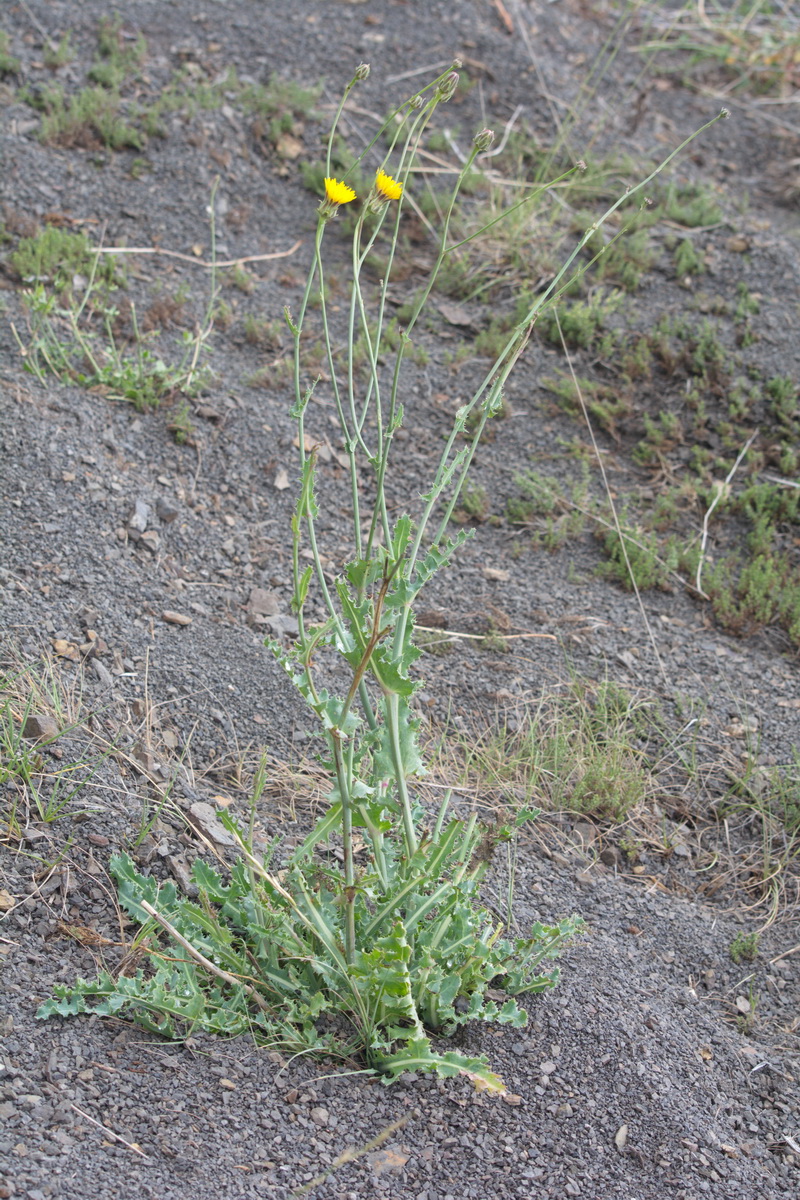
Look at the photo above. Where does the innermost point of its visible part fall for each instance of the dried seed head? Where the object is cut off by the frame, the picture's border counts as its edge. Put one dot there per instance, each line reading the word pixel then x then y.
pixel 483 140
pixel 361 72
pixel 724 113
pixel 580 164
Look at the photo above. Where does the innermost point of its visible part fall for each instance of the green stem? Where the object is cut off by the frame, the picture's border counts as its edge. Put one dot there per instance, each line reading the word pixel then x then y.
pixel 344 782
pixel 392 715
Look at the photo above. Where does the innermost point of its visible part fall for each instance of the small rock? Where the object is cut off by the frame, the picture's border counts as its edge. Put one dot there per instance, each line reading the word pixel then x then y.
pixel 263 602
pixel 175 618
pixel 137 521
pixel 621 1137
pixel 204 817
pixel 584 833
pixel 319 1116
pixel 151 540
pixel 180 869
pixel 279 625
pixel 547 1068
pixel 612 856
pixel 40 727
pixel 103 674
pixel 166 510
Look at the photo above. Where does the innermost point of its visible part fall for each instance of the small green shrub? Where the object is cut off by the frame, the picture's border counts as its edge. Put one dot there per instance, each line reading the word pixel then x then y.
pixel 55 257
pixel 581 321
pixel 783 392
pixel 117 57
pixel 744 948
pixel 473 504
pixel 56 56
pixel 89 118
pixel 687 260
pixel 650 563
pixel 9 65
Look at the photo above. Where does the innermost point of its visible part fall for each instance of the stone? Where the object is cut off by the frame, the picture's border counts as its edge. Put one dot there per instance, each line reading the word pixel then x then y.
pixel 167 510
pixel 137 521
pixel 175 618
pixel 204 817
pixel 263 602
pixel 103 674
pixel 40 727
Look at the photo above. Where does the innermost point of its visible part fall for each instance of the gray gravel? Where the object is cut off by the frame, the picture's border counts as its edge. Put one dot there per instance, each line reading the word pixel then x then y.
pixel 165 566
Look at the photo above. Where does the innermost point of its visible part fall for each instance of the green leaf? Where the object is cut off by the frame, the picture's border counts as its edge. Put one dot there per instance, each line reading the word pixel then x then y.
pixel 301 590
pixel 307 502
pixel 401 535
pixel 419 1056
pixel 300 406
pixel 410 761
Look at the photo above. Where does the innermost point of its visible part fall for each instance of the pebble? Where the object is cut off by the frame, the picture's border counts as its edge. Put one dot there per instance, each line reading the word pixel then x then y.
pixel 137 521
pixel 40 727
pixel 175 618
pixel 103 674
pixel 263 602
pixel 166 510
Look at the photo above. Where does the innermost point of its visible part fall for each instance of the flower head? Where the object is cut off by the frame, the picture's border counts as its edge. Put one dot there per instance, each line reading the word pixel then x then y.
pixel 389 188
pixel 447 87
pixel 483 140
pixel 338 193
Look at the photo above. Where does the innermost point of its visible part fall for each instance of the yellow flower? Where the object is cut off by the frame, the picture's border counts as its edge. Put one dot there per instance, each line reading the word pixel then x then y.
pixel 338 193
pixel 387 186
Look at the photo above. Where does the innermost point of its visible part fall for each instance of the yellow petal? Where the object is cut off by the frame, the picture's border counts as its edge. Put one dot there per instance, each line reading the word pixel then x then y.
pixel 338 193
pixel 387 186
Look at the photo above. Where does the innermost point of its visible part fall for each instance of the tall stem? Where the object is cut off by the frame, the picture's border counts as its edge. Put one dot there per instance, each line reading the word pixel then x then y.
pixel 343 779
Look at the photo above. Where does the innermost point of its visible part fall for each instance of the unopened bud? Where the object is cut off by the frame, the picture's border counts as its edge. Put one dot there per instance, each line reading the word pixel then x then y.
pixel 457 64
pixel 724 113
pixel 580 165
pixel 361 73
pixel 447 87
pixel 483 140
pixel 416 102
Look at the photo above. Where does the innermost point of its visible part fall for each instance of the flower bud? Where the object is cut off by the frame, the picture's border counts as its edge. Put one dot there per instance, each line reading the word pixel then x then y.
pixel 361 73
pixel 483 140
pixel 416 103
pixel 447 87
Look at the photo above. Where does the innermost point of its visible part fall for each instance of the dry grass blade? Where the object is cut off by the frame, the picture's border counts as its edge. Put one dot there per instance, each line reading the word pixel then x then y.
pixel 352 1154
pixel 137 1149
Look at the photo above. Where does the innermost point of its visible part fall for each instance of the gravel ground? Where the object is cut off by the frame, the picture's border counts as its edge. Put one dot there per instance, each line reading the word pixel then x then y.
pixel 149 572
